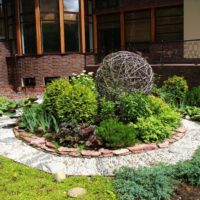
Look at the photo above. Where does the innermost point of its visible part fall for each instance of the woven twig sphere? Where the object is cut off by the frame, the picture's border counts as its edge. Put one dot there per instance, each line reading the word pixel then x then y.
pixel 121 72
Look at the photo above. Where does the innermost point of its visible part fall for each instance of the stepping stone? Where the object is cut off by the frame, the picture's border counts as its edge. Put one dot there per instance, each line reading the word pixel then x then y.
pixel 77 192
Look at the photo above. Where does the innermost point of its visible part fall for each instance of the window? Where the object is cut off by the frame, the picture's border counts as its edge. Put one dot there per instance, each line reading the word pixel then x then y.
pixel 89 25
pixel 137 26
pixel 169 24
pixel 109 32
pixel 2 26
pixel 72 25
pixel 48 80
pixel 10 9
pixel 29 82
pixel 102 4
pixel 50 25
pixel 27 19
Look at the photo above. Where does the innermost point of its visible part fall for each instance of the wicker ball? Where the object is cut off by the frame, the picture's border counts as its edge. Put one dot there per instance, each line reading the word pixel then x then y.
pixel 121 72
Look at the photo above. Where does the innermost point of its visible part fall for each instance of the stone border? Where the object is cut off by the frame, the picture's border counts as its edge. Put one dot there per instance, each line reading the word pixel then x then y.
pixel 48 146
pixel 17 150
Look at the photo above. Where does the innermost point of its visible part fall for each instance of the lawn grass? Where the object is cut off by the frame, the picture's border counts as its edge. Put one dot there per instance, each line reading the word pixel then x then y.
pixel 19 182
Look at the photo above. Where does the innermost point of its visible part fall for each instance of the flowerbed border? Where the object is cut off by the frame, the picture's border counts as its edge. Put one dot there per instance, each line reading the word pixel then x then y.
pixel 47 146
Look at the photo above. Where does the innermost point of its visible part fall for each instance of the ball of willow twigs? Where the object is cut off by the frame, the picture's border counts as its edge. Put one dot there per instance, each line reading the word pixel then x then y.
pixel 121 72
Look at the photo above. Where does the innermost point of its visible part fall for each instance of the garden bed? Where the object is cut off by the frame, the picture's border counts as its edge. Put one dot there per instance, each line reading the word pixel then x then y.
pixel 48 146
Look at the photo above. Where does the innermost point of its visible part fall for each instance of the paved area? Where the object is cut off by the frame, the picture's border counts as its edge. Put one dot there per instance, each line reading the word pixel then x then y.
pixel 18 151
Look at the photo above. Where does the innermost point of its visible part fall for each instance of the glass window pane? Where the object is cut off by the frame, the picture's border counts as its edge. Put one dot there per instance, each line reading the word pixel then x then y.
pixel 138 27
pixel 169 24
pixel 27 18
pixel 72 37
pixel 1 11
pixel 71 5
pixel 70 17
pixel 109 32
pixel 28 38
pixel 49 5
pixel 2 30
pixel 27 6
pixel 49 16
pixel 50 37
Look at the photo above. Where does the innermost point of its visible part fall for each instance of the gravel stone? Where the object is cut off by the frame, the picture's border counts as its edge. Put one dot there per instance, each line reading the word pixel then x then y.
pixel 18 151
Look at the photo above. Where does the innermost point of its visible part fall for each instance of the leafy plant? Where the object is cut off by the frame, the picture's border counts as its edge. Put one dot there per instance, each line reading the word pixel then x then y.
pixel 53 90
pixel 193 97
pixel 78 104
pixel 29 119
pixel 55 124
pixel 167 115
pixel 107 108
pixel 152 129
pixel 116 134
pixel 134 106
pixel 84 79
pixel 36 118
pixel 176 88
pixel 8 107
pixel 145 183
pixel 192 111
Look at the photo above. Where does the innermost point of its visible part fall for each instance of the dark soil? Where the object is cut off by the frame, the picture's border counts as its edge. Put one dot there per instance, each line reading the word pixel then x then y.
pixel 186 192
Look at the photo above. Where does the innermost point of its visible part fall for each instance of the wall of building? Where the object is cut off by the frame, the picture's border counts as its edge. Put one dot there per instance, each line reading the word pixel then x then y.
pixel 191 19
pixel 163 72
pixel 4 84
pixel 39 67
pixel 192 28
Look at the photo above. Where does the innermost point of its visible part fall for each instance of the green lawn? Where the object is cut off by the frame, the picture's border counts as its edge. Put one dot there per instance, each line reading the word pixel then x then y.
pixel 18 182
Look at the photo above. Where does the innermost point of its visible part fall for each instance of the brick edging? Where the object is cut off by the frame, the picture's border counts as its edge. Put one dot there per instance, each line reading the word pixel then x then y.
pixel 48 146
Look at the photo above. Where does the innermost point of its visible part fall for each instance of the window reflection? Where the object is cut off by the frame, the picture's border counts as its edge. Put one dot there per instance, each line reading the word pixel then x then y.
pixel 27 20
pixel 50 25
pixel 72 25
pixel 71 5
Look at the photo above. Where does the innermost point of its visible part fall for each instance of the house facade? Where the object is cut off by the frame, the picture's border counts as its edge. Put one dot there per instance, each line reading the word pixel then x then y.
pixel 44 39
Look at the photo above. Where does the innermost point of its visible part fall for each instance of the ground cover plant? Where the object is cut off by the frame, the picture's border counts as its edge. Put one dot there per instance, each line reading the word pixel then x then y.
pixel 74 114
pixel 155 183
pixel 9 107
pixel 158 182
pixel 19 182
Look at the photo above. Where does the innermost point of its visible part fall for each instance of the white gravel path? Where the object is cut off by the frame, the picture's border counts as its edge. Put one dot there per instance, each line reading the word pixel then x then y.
pixel 18 151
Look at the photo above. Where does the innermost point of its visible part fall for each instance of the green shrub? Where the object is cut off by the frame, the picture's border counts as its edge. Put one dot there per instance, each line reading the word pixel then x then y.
pixel 193 97
pixel 160 124
pixel 145 183
pixel 115 134
pixel 177 88
pixel 78 104
pixel 84 79
pixel 152 129
pixel 54 89
pixel 164 112
pixel 107 108
pixel 134 106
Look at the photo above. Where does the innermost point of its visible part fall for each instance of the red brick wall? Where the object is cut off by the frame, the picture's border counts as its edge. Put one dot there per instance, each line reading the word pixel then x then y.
pixel 4 52
pixel 90 59
pixel 39 67
pixel 191 73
